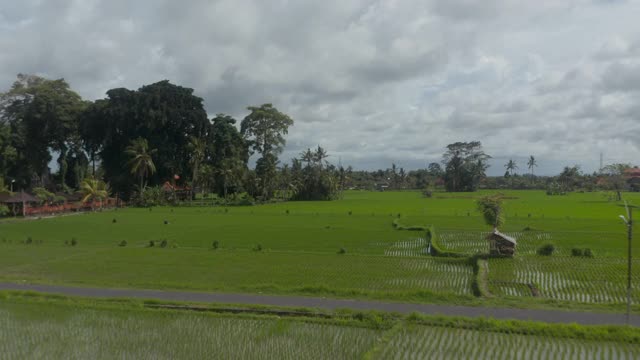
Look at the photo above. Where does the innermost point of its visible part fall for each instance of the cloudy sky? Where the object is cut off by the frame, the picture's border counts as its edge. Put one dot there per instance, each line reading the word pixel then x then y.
pixel 375 81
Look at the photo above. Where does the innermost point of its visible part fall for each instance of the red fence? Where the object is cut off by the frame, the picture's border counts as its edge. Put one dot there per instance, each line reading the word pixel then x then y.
pixel 71 207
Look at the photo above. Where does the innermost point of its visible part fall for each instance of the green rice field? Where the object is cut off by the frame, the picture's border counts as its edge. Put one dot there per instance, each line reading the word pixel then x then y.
pixel 345 248
pixel 429 342
pixel 39 331
pixel 75 329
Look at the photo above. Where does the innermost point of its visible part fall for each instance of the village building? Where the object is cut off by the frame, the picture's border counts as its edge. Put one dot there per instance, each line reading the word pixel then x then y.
pixel 632 176
pixel 501 244
pixel 18 203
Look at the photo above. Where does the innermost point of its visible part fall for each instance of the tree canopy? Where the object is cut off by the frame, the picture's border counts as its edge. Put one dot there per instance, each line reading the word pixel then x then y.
pixel 465 165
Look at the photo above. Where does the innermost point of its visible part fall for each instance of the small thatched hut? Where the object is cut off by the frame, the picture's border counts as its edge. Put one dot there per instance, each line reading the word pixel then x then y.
pixel 19 202
pixel 501 244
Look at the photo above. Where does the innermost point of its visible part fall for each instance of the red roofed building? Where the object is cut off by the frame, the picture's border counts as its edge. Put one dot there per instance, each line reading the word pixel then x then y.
pixel 180 192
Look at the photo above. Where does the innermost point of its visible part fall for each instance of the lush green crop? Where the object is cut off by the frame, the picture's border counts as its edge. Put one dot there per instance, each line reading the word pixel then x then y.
pixel 36 326
pixel 587 280
pixel 428 342
pixel 39 331
pixel 347 247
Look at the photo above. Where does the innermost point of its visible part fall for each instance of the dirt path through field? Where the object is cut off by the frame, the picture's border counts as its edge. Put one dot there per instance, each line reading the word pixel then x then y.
pixel 551 316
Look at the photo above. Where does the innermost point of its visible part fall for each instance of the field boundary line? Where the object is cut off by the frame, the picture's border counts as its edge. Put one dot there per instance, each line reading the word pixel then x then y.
pixel 550 316
pixel 384 340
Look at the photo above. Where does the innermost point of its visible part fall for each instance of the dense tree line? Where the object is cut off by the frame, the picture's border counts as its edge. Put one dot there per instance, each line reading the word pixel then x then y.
pixel 137 138
pixel 133 139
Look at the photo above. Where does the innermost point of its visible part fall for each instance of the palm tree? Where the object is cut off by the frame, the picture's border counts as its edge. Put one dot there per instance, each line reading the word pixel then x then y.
pixel 511 166
pixel 531 164
pixel 141 162
pixel 198 147
pixel 94 189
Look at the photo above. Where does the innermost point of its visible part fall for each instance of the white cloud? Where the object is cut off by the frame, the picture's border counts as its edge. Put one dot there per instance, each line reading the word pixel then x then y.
pixel 372 81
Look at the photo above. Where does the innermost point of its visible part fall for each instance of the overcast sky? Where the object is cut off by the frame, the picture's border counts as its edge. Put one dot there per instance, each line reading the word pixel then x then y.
pixel 374 82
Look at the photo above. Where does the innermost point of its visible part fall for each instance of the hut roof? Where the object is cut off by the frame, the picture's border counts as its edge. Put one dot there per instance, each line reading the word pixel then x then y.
pixel 503 236
pixel 20 198
pixel 4 196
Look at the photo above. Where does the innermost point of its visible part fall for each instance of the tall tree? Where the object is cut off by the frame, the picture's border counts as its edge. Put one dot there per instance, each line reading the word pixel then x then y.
pixel 264 129
pixel 313 177
pixel 569 178
pixel 229 154
pixel 435 169
pixel 93 129
pixel 43 115
pixel 532 163
pixel 141 160
pixel 511 166
pixel 465 165
pixel 198 149
pixel 614 178
pixel 164 114
pixel 8 153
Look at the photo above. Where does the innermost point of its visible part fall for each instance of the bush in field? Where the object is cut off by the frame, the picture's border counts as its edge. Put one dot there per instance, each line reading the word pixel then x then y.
pixel 491 208
pixel 4 210
pixel 163 244
pixel 114 221
pixel 29 240
pixel 152 243
pixel 342 251
pixel 74 241
pixel 215 244
pixel 581 252
pixel 257 248
pixel 546 249
pixel 123 243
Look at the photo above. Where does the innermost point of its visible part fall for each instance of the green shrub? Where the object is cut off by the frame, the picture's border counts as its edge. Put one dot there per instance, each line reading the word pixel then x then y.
pixel 587 252
pixel 114 221
pixel 29 240
pixel 257 248
pixel 350 212
pixel 123 243
pixel 576 252
pixel 4 210
pixel 342 251
pixel 151 196
pixel 240 199
pixel 152 243
pixel 546 250
pixel 74 241
pixel 43 194
pixel 215 244
pixel 163 244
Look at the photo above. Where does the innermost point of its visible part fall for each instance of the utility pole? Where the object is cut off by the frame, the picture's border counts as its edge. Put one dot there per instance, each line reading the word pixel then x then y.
pixel 629 222
pixel 630 238
pixel 600 162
